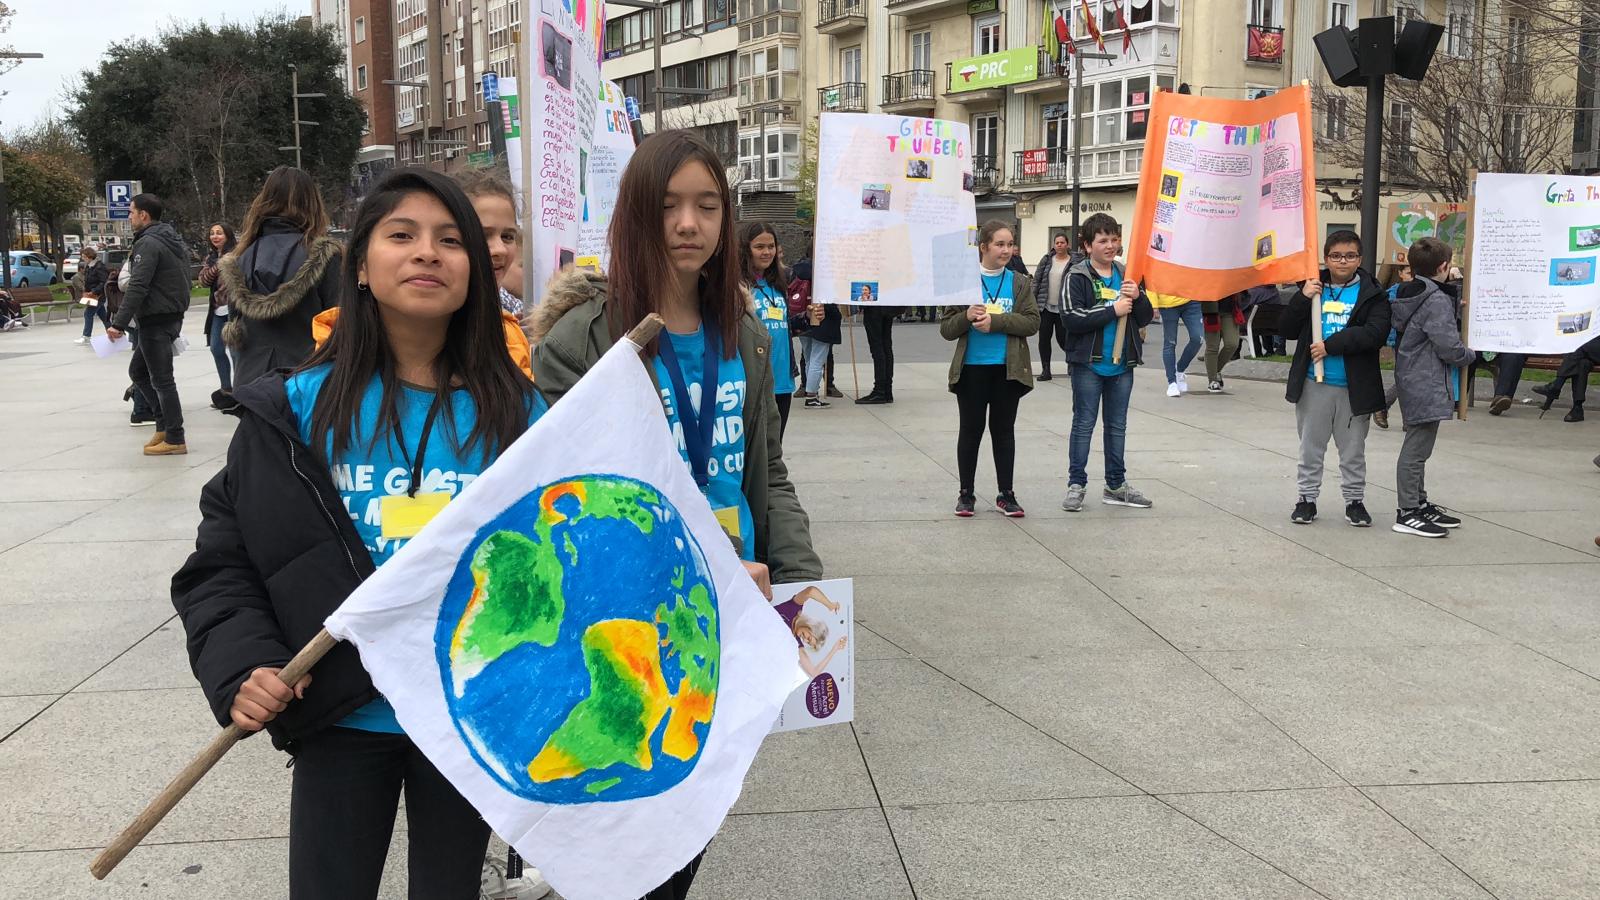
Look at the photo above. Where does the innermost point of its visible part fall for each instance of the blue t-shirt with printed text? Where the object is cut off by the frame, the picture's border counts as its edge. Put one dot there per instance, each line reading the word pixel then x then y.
pixel 773 311
pixel 1107 288
pixel 371 470
pixel 990 349
pixel 726 465
pixel 1337 305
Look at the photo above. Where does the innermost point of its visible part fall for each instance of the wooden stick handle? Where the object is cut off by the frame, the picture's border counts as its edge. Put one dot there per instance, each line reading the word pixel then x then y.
pixel 646 331
pixel 1121 338
pixel 185 780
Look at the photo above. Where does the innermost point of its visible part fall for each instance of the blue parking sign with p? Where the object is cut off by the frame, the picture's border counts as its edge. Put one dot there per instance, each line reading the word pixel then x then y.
pixel 119 199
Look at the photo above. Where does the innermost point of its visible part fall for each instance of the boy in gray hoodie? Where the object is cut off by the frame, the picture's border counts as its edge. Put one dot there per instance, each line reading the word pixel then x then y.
pixel 1427 351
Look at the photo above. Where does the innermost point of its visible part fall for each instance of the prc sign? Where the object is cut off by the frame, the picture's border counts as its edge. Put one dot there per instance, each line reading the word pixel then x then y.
pixel 994 70
pixel 119 198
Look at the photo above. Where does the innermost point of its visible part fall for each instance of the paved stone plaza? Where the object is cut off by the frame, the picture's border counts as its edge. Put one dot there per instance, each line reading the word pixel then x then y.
pixel 1196 700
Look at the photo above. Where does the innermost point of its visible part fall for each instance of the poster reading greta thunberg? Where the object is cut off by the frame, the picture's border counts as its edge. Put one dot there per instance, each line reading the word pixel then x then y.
pixel 1224 195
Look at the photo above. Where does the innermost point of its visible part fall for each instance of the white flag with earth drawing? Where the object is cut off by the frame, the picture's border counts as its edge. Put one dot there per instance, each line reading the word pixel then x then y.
pixel 576 646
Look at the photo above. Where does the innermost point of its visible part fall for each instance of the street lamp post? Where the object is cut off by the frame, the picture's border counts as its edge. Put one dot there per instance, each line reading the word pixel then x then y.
pixel 1077 128
pixel 5 198
pixel 297 96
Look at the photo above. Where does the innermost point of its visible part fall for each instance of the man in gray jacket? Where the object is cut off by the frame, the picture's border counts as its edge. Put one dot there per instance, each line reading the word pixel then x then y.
pixel 1427 351
pixel 156 299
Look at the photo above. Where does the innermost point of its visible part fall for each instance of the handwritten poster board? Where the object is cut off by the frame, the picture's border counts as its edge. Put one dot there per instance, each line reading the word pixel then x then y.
pixel 821 616
pixel 1225 192
pixel 1535 245
pixel 560 95
pixel 896 225
pixel 607 156
pixel 1410 221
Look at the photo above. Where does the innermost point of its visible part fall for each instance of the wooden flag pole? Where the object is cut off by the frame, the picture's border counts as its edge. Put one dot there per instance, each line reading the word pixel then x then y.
pixel 185 781
pixel 855 377
pixel 309 656
pixel 1466 289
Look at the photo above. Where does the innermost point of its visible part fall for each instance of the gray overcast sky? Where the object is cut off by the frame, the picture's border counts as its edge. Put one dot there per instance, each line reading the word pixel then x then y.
pixel 61 30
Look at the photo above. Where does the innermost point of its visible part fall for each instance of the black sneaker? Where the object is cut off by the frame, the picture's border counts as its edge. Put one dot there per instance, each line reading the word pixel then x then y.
pixel 1305 512
pixel 1412 521
pixel 1008 506
pixel 1438 516
pixel 814 403
pixel 964 504
pixel 835 393
pixel 1045 376
pixel 1214 387
pixel 1355 512
pixel 136 420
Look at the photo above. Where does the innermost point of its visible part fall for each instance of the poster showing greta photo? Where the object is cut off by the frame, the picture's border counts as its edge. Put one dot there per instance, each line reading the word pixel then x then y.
pixel 821 616
pixel 894 212
pixel 1224 195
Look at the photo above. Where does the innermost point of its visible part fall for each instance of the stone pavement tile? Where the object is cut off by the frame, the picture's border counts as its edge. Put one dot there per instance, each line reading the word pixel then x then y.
pixel 14 711
pixel 1034 615
pixel 184 486
pixel 891 548
pixel 125 450
pixel 1473 485
pixel 1152 717
pixel 1575 528
pixel 1475 542
pixel 806 444
pixel 1521 841
pixel 22 522
pixel 1127 543
pixel 1127 848
pixel 1042 497
pixel 200 870
pixel 1581 655
pixel 867 465
pixel 808 770
pixel 927 739
pixel 1522 603
pixel 1334 840
pixel 878 501
pixel 1408 715
pixel 131 519
pixel 871 645
pixel 47 648
pixel 1215 609
pixel 40 572
pixel 75 484
pixel 842 853
pixel 85 767
pixel 159 661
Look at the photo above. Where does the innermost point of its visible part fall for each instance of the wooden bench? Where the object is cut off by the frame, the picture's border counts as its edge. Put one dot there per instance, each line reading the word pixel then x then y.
pixel 1542 363
pixel 35 300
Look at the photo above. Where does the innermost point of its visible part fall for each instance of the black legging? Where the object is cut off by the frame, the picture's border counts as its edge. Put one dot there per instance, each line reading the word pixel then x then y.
pixel 783 413
pixel 1051 328
pixel 981 389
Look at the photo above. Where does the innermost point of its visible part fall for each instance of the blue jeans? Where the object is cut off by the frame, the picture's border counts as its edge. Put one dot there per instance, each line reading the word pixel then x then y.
pixel 219 352
pixel 1171 317
pixel 89 314
pixel 815 355
pixel 1091 393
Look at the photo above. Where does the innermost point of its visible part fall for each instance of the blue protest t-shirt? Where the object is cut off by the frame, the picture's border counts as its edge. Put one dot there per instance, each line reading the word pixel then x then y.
pixel 774 313
pixel 1337 305
pixel 726 466
pixel 371 470
pixel 1107 289
pixel 990 349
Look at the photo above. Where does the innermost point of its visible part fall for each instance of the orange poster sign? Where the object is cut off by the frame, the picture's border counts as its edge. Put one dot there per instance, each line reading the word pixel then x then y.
pixel 1225 195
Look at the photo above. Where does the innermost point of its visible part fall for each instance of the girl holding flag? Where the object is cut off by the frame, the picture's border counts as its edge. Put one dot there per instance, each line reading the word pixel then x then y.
pixel 414 378
pixel 765 279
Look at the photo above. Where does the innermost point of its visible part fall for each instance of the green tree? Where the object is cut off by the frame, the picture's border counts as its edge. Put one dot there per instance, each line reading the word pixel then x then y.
pixel 199 113
pixel 805 200
pixel 47 187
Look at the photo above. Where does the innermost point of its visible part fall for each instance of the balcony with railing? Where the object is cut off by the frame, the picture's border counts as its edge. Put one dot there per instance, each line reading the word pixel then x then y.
pixel 1264 45
pixel 979 97
pixel 908 91
pixel 985 175
pixel 841 16
pixel 1046 165
pixel 913 7
pixel 1053 73
pixel 846 96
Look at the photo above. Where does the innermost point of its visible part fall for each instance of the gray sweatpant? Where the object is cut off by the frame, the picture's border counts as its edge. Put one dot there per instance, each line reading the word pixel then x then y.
pixel 1324 412
pixel 1414 453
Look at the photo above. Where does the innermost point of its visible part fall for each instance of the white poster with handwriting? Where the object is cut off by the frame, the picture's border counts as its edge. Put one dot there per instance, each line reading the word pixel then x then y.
pixel 896 225
pixel 1535 245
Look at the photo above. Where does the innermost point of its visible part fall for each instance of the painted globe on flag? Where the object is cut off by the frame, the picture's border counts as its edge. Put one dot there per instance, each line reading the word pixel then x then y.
pixel 579 644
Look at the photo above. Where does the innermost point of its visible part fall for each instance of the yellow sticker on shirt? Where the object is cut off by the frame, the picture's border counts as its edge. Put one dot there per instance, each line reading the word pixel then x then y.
pixel 1107 294
pixel 1333 306
pixel 403 517
pixel 728 518
pixel 775 313
pixel 994 309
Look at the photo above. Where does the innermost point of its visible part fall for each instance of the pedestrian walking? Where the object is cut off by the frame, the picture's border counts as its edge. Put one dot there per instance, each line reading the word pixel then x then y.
pixel 991 371
pixel 1049 288
pixel 283 273
pixel 1221 319
pixel 674 214
pixel 221 241
pixel 769 287
pixel 418 344
pixel 92 275
pixel 157 296
pixel 1179 313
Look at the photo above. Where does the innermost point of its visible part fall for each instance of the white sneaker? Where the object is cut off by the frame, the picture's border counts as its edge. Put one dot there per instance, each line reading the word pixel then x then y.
pixel 1183 382
pixel 82 340
pixel 1173 390
pixel 495 886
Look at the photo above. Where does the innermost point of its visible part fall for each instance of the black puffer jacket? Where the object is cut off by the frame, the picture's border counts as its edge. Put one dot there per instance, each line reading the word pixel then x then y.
pixel 275 287
pixel 158 283
pixel 94 278
pixel 1358 342
pixel 276 553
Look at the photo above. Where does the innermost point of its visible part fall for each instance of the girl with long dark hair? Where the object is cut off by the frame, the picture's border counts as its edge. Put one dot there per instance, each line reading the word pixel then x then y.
pixel 769 286
pixel 676 255
pixel 412 394
pixel 220 238
pixel 991 369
